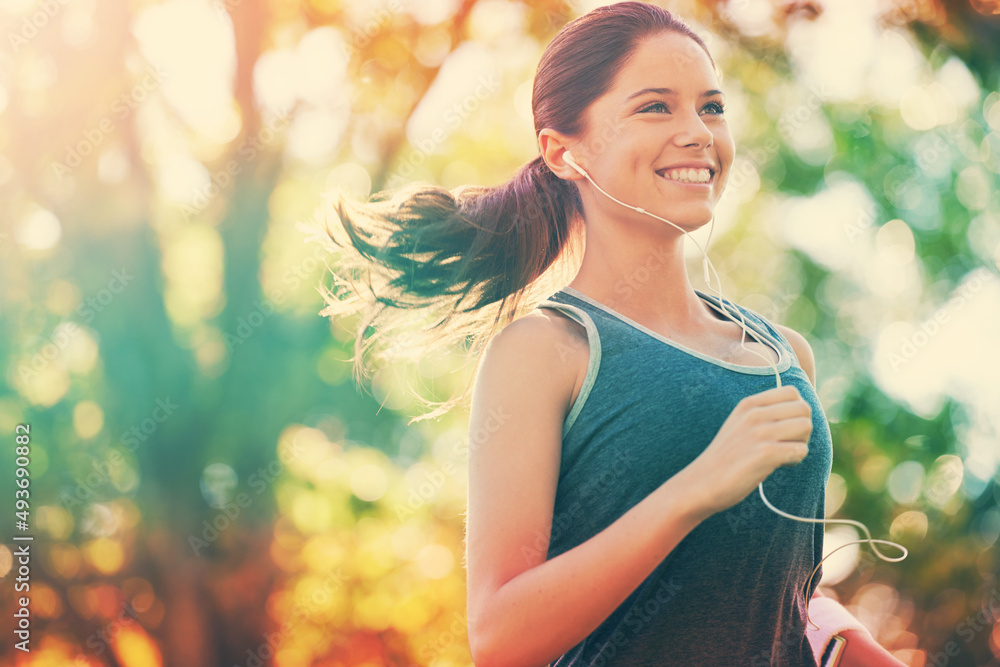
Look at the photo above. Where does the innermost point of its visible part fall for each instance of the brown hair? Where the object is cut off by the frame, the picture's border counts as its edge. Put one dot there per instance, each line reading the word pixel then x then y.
pixel 467 261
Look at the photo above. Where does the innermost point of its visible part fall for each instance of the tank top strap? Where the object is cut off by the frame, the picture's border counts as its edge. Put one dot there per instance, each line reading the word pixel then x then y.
pixel 759 320
pixel 583 317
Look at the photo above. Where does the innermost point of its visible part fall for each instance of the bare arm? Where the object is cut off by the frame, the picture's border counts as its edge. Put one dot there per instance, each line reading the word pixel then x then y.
pixel 861 648
pixel 524 610
pixel 802 350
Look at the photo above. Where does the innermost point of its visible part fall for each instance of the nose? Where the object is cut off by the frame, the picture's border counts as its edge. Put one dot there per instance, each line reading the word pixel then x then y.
pixel 693 131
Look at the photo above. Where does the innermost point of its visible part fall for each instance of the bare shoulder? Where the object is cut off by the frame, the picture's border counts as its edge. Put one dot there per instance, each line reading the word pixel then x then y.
pixel 546 324
pixel 519 403
pixel 802 350
pixel 545 344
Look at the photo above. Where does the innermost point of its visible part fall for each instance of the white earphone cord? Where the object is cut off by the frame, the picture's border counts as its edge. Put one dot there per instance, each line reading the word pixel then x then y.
pixel 743 325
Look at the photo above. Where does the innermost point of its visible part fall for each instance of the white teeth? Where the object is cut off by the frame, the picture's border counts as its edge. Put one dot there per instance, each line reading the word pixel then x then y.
pixel 689 175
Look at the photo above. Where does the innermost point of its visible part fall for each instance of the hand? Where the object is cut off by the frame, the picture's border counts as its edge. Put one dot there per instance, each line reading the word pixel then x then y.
pixel 863 651
pixel 763 431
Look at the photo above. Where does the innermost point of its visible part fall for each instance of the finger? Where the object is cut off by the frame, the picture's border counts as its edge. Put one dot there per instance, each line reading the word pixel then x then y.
pixel 779 411
pixel 785 391
pixel 791 454
pixel 775 395
pixel 797 429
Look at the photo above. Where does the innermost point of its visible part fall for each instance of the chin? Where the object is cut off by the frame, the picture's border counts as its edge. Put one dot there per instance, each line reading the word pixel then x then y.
pixel 689 220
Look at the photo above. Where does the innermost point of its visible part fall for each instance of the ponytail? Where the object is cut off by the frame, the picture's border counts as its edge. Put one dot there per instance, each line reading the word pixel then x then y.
pixel 460 264
pixel 463 263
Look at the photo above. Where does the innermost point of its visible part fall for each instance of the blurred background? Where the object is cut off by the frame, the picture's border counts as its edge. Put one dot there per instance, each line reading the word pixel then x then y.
pixel 209 485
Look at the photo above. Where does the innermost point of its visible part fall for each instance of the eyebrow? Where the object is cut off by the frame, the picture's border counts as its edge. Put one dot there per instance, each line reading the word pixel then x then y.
pixel 668 91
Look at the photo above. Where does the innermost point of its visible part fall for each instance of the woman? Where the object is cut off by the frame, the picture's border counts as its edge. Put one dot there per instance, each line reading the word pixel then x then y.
pixel 619 428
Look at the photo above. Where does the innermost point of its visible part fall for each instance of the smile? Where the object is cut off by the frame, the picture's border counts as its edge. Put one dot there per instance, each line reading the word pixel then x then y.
pixel 687 175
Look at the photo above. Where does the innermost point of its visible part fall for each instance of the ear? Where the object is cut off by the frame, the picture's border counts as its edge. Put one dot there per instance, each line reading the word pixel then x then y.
pixel 552 145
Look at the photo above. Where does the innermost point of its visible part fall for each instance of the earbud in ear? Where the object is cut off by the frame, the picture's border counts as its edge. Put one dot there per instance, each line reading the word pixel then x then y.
pixel 568 157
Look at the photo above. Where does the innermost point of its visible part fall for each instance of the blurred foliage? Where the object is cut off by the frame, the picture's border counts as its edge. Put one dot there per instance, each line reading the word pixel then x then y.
pixel 208 484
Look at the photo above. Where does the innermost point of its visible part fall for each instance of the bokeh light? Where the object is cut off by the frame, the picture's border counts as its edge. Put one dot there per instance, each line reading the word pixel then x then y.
pixel 209 482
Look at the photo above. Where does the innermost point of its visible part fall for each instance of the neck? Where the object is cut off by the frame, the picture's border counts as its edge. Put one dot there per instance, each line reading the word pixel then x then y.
pixel 642 276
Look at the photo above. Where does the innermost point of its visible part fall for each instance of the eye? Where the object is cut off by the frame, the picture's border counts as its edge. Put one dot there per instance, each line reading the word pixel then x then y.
pixel 719 108
pixel 654 105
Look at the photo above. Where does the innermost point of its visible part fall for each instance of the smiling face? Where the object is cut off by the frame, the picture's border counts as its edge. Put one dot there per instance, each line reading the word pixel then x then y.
pixel 658 139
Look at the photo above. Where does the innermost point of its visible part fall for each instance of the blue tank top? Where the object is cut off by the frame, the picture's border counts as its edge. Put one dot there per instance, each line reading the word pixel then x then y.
pixel 733 591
